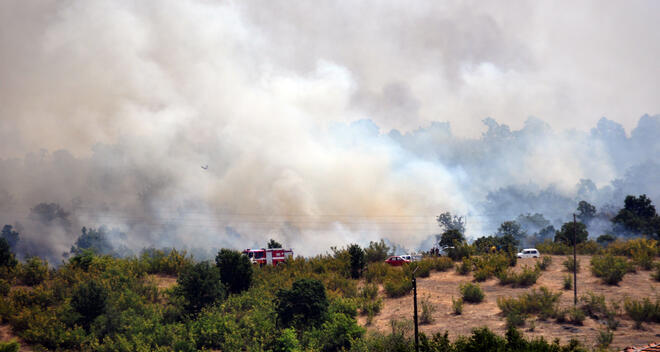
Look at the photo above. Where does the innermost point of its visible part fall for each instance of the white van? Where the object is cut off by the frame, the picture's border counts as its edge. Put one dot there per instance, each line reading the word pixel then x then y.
pixel 529 253
pixel 411 257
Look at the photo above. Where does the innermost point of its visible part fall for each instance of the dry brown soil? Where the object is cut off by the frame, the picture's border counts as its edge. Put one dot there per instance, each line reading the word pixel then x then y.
pixel 441 286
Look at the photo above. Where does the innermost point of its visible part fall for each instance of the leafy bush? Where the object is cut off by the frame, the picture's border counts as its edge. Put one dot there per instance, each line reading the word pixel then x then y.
pixel 542 302
pixel 4 287
pixel 488 265
pixel 642 311
pixel 34 271
pixel 427 311
pixel 164 261
pixel 442 263
pixel 200 285
pixel 656 274
pixel 376 272
pixel 457 305
pixel 287 342
pixel 423 268
pixel 370 304
pixel 11 346
pixel 357 260
pixel 515 319
pixel 604 338
pixel 7 258
pixel 460 251
pixel 377 251
pixel 568 282
pixel 527 277
pixel 464 267
pixel 235 270
pixel 609 268
pixel 544 263
pixel 570 264
pixel 593 305
pixel 397 284
pixel 304 305
pixel 89 299
pixel 471 293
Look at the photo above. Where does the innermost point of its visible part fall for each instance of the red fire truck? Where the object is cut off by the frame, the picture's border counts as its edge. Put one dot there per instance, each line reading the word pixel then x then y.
pixel 270 256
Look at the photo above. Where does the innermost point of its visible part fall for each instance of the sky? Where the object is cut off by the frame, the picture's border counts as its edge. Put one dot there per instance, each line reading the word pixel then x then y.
pixel 322 123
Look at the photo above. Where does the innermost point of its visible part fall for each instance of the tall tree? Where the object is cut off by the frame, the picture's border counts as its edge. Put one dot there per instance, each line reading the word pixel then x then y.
pixel 567 231
pixel 377 251
pixel 201 286
pixel 450 237
pixel 235 270
pixel 357 260
pixel 11 236
pixel 448 222
pixel 513 229
pixel 585 212
pixel 638 216
pixel 6 256
pixel 274 244
pixel 304 305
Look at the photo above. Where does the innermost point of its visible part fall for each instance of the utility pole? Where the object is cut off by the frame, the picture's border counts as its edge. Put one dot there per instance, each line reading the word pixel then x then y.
pixel 414 283
pixel 575 264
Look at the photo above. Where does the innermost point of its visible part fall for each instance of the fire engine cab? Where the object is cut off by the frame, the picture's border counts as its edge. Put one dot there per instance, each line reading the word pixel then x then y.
pixel 270 256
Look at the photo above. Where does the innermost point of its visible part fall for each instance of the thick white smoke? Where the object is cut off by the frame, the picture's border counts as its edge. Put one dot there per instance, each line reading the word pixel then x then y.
pixel 316 120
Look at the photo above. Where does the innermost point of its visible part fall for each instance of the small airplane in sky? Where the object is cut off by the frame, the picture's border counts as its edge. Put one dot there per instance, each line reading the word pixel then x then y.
pixel 205 167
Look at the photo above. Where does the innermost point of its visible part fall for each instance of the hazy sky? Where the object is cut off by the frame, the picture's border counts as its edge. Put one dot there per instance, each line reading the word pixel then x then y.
pixel 267 93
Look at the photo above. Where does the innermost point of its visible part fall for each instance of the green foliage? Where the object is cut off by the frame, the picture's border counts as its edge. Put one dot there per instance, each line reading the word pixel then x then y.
pixel 5 287
pixel 642 311
pixel 609 268
pixel 304 305
pixel 571 315
pixel 464 267
pixel 200 286
pixel 542 302
pixel 457 305
pixel 604 338
pixel 471 293
pixel 426 317
pixel 512 233
pixel 638 216
pixel 89 299
pixel 593 305
pixel 526 277
pixel 95 240
pixel 423 268
pixel 33 272
pixel 448 222
pixel 489 265
pixel 571 265
pixel 287 342
pixel 11 346
pixel 571 233
pixel 273 244
pixel 585 212
pixel 377 271
pixel 451 237
pixel 460 251
pixel 397 284
pixel 568 282
pixel 12 237
pixel 377 251
pixel 605 239
pixel 164 261
pixel 656 274
pixel 358 261
pixel 544 263
pixel 642 251
pixel 7 258
pixel 235 270
pixel 442 263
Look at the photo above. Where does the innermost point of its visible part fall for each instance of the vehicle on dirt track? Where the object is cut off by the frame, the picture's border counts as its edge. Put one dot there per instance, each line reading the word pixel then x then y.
pixel 529 253
pixel 396 260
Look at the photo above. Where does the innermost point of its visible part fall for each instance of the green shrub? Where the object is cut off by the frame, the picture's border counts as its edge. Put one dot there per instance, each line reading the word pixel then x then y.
pixel 515 319
pixel 89 299
pixel 377 251
pixel 423 268
pixel 471 293
pixel 489 265
pixel 235 270
pixel 164 261
pixel 34 271
pixel 5 287
pixel 593 305
pixel 464 267
pixel 11 346
pixel 460 251
pixel 376 272
pixel 287 342
pixel 604 338
pixel 7 258
pixel 442 263
pixel 358 260
pixel 304 305
pixel 527 277
pixel 370 304
pixel 656 274
pixel 338 283
pixel 643 311
pixel 568 282
pixel 571 315
pixel 542 302
pixel 570 265
pixel 642 251
pixel 544 263
pixel 427 311
pixel 457 305
pixel 397 284
pixel 200 286
pixel 609 268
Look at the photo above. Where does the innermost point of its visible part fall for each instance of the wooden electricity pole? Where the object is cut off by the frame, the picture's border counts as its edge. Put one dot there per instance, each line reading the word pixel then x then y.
pixel 575 264
pixel 414 284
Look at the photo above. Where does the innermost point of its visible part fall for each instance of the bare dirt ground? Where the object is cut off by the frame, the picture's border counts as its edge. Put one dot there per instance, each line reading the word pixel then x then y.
pixel 440 287
pixel 163 282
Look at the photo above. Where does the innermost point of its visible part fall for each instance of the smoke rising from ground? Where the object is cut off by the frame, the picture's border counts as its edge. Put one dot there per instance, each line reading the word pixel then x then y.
pixel 321 124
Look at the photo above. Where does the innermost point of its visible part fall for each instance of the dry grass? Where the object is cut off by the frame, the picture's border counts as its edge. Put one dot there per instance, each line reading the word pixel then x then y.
pixel 441 286
pixel 7 335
